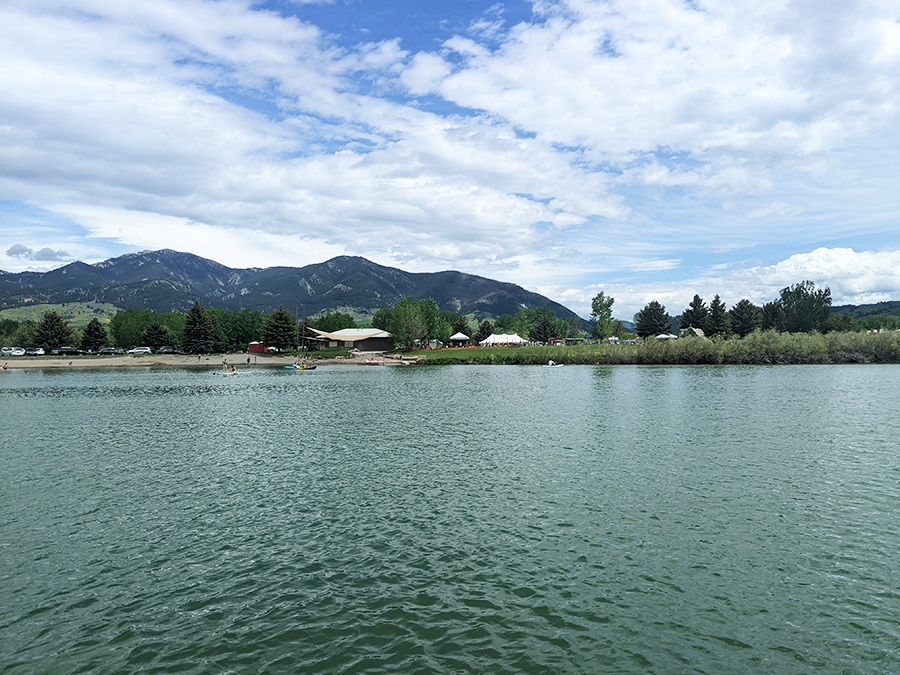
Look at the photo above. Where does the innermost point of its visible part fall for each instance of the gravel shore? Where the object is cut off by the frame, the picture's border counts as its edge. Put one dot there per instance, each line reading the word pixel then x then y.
pixel 187 361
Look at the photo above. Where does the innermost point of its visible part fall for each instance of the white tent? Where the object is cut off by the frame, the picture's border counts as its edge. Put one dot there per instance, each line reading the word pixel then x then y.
pixel 459 337
pixel 666 336
pixel 502 339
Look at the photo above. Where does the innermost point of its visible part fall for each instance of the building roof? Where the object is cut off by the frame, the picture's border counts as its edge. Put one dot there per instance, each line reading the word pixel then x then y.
pixel 353 334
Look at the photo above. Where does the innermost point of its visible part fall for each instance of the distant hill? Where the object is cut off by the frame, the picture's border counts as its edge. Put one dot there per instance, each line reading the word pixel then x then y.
pixel 167 281
pixel 891 307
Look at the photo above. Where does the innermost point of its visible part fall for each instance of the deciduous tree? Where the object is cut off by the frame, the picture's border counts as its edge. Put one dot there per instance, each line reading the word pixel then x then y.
pixel 408 325
pixel 334 321
pixel 601 315
pixel 806 308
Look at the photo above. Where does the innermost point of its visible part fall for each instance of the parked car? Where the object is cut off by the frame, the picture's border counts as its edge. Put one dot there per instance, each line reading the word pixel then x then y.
pixel 17 351
pixel 167 350
pixel 34 351
pixel 107 350
pixel 139 350
pixel 6 351
pixel 68 351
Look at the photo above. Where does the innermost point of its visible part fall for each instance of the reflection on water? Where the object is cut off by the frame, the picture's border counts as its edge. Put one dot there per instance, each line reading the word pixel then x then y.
pixel 460 519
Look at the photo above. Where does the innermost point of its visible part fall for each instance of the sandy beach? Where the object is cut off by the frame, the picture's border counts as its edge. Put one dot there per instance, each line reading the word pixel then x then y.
pixel 187 361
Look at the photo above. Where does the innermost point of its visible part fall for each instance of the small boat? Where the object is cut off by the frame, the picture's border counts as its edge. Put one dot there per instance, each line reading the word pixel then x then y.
pixel 300 366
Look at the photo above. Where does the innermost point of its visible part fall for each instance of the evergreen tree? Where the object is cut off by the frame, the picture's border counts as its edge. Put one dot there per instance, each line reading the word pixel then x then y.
pixel 601 315
pixel 651 320
pixel 544 331
pixel 485 330
pixel 745 317
pixel 94 336
pixel 52 332
pixel 461 325
pixel 155 336
pixel 217 333
pixel 198 331
pixel 773 316
pixel 281 329
pixel 696 315
pixel 718 322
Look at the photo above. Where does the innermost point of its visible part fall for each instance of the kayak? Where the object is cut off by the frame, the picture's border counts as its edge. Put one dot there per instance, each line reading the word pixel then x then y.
pixel 296 367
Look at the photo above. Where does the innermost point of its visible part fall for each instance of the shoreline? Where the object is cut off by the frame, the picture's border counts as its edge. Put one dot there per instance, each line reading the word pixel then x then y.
pixel 239 360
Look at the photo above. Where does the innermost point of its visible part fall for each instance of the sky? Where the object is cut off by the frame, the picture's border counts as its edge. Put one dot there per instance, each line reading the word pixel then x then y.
pixel 649 149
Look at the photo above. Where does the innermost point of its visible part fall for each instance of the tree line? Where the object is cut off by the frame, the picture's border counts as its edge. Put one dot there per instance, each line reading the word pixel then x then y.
pixel 198 330
pixel 800 308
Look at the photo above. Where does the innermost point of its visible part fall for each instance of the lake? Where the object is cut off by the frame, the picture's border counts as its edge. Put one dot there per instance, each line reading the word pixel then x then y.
pixel 492 519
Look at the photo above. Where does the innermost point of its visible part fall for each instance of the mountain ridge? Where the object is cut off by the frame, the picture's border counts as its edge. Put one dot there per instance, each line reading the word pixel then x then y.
pixel 167 280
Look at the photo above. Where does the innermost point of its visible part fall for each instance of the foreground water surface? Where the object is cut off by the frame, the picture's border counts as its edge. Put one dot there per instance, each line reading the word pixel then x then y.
pixel 451 520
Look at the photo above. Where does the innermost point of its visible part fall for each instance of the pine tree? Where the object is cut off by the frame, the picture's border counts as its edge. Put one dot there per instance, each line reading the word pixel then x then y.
pixel 281 329
pixel 718 322
pixel 696 315
pixel 94 336
pixel 156 336
pixel 52 332
pixel 745 317
pixel 461 325
pixel 485 330
pixel 651 320
pixel 544 331
pixel 773 316
pixel 198 328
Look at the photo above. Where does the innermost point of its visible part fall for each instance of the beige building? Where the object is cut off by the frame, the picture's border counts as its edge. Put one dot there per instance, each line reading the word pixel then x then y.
pixel 363 339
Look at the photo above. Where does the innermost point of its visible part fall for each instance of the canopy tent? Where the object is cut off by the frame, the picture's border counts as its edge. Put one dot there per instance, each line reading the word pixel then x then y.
pixel 666 336
pixel 503 339
pixel 460 337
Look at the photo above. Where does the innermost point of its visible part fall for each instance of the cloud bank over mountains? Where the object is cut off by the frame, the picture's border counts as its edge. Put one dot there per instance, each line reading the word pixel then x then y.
pixel 651 149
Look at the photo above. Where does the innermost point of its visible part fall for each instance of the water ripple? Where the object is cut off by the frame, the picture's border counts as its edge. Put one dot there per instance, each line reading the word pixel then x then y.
pixel 472 520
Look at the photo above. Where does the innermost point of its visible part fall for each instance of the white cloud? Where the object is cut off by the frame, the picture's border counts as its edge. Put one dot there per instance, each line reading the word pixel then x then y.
pixel 618 140
pixel 854 278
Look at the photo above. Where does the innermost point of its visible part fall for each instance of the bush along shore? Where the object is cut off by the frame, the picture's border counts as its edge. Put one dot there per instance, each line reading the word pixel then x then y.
pixel 759 347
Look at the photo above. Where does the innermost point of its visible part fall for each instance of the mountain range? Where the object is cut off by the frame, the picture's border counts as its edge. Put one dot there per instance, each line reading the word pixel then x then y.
pixel 170 281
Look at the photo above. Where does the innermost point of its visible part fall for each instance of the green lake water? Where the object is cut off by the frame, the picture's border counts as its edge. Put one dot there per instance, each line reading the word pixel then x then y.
pixel 451 520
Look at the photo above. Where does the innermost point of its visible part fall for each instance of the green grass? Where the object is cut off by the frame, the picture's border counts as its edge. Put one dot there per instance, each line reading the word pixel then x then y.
pixel 759 347
pixel 78 314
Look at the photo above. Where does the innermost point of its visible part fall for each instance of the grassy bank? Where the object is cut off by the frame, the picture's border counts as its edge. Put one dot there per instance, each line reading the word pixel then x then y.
pixel 766 347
